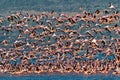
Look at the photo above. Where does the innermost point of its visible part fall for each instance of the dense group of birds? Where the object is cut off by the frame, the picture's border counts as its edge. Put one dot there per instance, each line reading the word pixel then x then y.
pixel 85 42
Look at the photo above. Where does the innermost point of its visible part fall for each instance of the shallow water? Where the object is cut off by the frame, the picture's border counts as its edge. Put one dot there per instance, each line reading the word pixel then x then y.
pixel 58 76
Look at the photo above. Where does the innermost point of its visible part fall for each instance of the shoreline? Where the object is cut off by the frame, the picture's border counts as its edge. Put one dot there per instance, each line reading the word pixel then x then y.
pixel 56 73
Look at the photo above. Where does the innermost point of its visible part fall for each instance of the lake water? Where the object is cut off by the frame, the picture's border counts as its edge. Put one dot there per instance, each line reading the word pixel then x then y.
pixel 58 76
